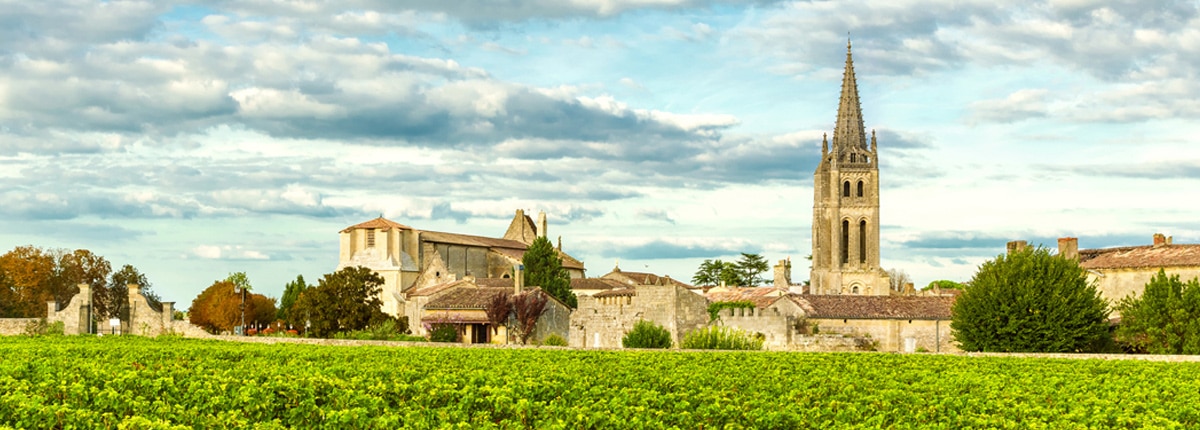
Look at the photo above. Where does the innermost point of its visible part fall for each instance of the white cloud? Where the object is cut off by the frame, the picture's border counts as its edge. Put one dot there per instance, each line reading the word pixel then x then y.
pixel 227 252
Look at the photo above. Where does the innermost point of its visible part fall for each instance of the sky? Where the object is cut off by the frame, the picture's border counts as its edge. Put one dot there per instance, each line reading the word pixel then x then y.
pixel 195 139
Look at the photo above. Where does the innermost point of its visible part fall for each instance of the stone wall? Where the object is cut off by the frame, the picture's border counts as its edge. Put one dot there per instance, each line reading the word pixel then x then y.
pixel 777 328
pixel 1115 284
pixel 75 315
pixel 15 326
pixel 601 322
pixel 556 320
pixel 893 335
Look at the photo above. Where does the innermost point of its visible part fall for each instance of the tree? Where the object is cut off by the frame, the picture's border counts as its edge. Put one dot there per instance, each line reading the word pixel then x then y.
pixel 291 292
pixel 944 284
pixel 543 268
pixel 527 307
pixel 897 279
pixel 116 296
pixel 716 272
pixel 1030 301
pixel 218 308
pixel 1165 319
pixel 81 267
pixel 345 300
pixel 646 334
pixel 750 269
pixel 8 298
pixel 30 271
pixel 498 310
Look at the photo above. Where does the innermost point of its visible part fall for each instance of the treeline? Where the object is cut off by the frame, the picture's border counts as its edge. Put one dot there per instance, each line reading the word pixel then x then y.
pixel 31 276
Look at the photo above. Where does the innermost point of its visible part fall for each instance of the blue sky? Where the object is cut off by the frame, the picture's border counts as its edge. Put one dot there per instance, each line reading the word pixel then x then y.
pixel 194 139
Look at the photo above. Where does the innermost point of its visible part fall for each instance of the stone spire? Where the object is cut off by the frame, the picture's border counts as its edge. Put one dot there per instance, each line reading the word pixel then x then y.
pixel 849 131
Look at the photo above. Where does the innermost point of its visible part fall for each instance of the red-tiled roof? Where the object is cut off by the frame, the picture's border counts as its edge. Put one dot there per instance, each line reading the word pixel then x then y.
pixel 454 316
pixel 377 223
pixel 433 289
pixel 642 278
pixel 470 240
pixel 1147 256
pixel 617 293
pixel 874 307
pixel 595 284
pixel 762 297
pixel 494 282
pixel 467 298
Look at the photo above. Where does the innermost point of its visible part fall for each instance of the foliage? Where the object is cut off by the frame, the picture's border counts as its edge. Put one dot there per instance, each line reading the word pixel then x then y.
pixel 747 272
pixel 345 300
pixel 498 311
pixel 1165 319
pixel 239 281
pixel 554 340
pixel 721 337
pixel 8 297
pixel 391 329
pixel 898 279
pixel 1031 301
pixel 446 333
pixel 543 268
pixel 219 309
pixel 945 285
pixel 40 327
pixel 291 292
pixel 527 307
pixel 135 382
pixel 34 276
pixel 646 334
pixel 714 308
pixel 116 294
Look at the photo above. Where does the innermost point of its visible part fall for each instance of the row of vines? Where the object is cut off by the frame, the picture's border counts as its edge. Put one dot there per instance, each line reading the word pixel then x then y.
pixel 113 382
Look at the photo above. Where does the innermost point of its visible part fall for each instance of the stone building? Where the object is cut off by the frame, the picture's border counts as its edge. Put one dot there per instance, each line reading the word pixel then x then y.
pixel 845 226
pixel 1124 271
pixel 891 323
pixel 464 304
pixel 401 254
pixel 602 319
pixel 630 279
pixel 774 316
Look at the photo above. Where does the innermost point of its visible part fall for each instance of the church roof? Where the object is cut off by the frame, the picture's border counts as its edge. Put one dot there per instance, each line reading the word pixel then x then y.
pixel 874 307
pixel 380 223
pixel 521 228
pixel 849 131
pixel 1147 256
pixel 470 240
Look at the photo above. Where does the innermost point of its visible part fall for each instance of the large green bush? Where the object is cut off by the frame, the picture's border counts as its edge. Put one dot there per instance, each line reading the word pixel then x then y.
pixel 444 333
pixel 646 334
pixel 1031 301
pixel 1165 319
pixel 721 337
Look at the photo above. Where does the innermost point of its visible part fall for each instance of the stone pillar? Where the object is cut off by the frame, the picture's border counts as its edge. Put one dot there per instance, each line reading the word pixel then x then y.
pixel 1068 248
pixel 541 225
pixel 1017 246
pixel 783 274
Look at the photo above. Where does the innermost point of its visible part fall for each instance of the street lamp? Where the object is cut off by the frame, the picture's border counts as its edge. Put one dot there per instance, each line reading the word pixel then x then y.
pixel 237 289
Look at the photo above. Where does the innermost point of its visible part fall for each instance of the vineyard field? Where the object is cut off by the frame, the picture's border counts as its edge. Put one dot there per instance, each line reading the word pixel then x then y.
pixel 134 382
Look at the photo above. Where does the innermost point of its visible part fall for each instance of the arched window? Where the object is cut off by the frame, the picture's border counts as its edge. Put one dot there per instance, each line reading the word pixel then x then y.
pixel 860 188
pixel 854 290
pixel 853 158
pixel 866 159
pixel 862 241
pixel 845 241
pixel 846 189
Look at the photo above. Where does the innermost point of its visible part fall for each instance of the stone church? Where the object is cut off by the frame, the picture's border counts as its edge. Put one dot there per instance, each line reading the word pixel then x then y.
pixel 845 227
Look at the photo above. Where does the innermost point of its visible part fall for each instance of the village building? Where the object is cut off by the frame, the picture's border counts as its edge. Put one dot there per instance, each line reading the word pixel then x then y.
pixel 464 304
pixel 845 226
pixel 1124 271
pixel 408 258
pixel 602 319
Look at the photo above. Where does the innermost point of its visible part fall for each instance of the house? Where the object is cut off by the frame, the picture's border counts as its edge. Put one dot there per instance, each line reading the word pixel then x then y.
pixel 465 303
pixel 1124 271
pixel 775 313
pixel 897 323
pixel 404 255
pixel 603 318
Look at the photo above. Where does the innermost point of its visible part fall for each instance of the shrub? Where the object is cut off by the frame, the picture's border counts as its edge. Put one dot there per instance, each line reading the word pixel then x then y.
pixel 554 340
pixel 42 328
pixel 1164 319
pixel 721 337
pixel 444 333
pixel 646 334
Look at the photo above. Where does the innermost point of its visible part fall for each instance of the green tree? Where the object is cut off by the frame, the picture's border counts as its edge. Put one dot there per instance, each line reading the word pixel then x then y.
pixel 116 295
pixel 543 268
pixel 750 269
pixel 1165 319
pixel 291 292
pixel 1031 301
pixel 646 334
pixel 342 301
pixel 717 272
pixel 944 284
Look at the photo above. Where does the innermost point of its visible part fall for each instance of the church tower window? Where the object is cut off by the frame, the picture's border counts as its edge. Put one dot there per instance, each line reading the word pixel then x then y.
pixel 846 189
pixel 862 240
pixel 845 241
pixel 860 188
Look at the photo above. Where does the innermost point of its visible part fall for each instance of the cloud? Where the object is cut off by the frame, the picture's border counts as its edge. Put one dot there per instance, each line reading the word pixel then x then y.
pixel 661 249
pixel 1020 105
pixel 227 252
pixel 1175 169
pixel 655 214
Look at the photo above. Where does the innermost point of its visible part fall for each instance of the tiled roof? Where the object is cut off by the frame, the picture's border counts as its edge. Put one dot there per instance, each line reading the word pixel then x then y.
pixel 377 223
pixel 494 282
pixel 595 284
pixel 762 297
pixel 434 289
pixel 642 278
pixel 1147 256
pixel 470 316
pixel 617 293
pixel 467 298
pixel 469 240
pixel 874 307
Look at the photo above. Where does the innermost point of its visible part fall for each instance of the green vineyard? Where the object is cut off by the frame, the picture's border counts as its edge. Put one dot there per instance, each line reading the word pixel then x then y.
pixel 132 382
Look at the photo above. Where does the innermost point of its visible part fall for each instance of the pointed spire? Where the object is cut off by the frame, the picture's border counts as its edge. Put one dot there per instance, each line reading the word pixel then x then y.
pixel 849 130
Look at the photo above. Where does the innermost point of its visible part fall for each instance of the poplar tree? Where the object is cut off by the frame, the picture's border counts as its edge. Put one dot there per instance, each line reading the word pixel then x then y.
pixel 543 268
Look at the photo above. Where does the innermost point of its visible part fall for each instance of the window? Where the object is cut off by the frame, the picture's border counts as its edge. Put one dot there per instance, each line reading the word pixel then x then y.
pixel 862 241
pixel 854 290
pixel 846 241
pixel 370 238
pixel 853 158
pixel 846 189
pixel 860 188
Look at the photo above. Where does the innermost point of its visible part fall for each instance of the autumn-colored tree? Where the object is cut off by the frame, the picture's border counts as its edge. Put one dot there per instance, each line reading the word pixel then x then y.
pixel 345 300
pixel 527 307
pixel 498 310
pixel 260 310
pixel 78 267
pixel 30 271
pixel 8 298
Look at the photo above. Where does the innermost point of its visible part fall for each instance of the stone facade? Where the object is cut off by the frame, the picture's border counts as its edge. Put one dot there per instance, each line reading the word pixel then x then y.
pixel 601 320
pixel 845 227
pixel 1124 271
pixel 894 335
pixel 776 322
pixel 464 304
pixel 75 314
pixel 402 255
pixel 16 326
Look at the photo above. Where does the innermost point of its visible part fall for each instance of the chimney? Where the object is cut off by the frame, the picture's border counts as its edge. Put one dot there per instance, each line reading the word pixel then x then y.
pixel 1159 240
pixel 1017 246
pixel 541 225
pixel 783 274
pixel 1068 248
pixel 518 278
pixel 1170 239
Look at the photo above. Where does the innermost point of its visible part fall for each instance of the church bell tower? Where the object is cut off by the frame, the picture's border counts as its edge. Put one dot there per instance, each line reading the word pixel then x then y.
pixel 845 228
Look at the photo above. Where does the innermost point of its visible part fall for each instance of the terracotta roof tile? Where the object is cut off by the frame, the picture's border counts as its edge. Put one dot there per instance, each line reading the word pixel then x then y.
pixel 874 307
pixel 642 278
pixel 617 293
pixel 377 223
pixel 762 297
pixel 1147 256
pixel 467 298
pixel 453 316
pixel 595 284
pixel 494 282
pixel 434 289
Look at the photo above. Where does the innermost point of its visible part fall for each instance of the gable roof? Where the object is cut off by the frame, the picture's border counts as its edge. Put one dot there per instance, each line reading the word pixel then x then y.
pixel 470 240
pixel 762 297
pixel 521 228
pixel 595 284
pixel 380 223
pixel 874 307
pixel 1146 256
pixel 643 278
pixel 434 289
